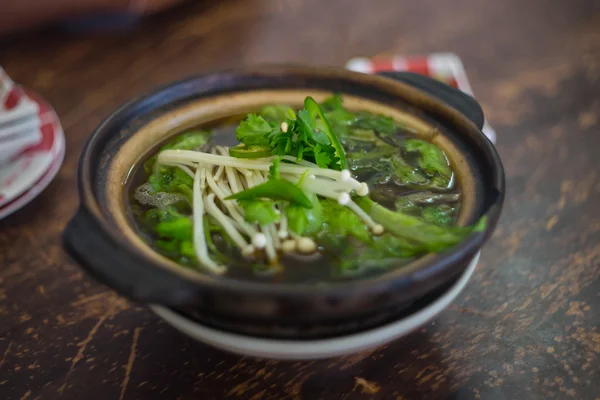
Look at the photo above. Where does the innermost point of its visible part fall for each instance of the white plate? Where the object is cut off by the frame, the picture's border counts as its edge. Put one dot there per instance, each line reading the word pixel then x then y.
pixel 41 184
pixel 320 348
pixel 25 170
pixel 25 136
pixel 14 105
pixel 24 178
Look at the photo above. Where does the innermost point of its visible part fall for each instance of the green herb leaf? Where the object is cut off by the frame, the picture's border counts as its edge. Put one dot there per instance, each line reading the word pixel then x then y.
pixel 323 157
pixel 253 130
pixel 275 189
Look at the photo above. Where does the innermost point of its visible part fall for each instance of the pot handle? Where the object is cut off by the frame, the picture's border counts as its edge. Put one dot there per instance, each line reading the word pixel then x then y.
pixel 455 98
pixel 108 262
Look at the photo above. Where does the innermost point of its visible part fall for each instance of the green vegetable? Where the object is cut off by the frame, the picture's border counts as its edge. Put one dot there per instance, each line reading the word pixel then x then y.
pixel 274 169
pixel 315 110
pixel 308 136
pixel 157 215
pixel 297 218
pixel 383 252
pixel 341 221
pixel 275 114
pixel 186 249
pixel 305 221
pixel 210 228
pixel 405 205
pixel 433 237
pixel 406 173
pixel 377 123
pixel 376 159
pixel 251 151
pixel 441 214
pixel 313 141
pixel 170 248
pixel 389 245
pixel 427 197
pixel 275 189
pixel 339 118
pixel 259 212
pixel 187 141
pixel 432 160
pixel 253 130
pixel 171 180
pixel 180 228
pixel 333 103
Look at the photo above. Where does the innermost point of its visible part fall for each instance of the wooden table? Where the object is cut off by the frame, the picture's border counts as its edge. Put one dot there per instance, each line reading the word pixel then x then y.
pixel 528 325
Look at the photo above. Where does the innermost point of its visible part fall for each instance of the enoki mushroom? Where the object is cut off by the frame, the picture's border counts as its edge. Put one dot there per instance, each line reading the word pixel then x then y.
pixel 217 175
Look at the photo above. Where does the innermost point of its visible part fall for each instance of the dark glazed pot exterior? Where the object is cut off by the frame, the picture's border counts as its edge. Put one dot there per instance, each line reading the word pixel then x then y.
pixel 99 245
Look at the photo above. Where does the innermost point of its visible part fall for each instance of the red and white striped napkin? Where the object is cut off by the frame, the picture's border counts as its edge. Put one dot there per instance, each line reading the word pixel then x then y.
pixel 445 67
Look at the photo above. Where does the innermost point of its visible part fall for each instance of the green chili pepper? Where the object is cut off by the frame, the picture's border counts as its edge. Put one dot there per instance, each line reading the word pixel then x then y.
pixel 276 189
pixel 314 109
pixel 251 151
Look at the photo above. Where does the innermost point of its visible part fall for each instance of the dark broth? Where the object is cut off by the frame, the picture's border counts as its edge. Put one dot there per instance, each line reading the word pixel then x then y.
pixel 323 265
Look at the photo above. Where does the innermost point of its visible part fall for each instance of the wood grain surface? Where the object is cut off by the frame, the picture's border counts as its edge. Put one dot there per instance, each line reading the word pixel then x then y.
pixel 526 327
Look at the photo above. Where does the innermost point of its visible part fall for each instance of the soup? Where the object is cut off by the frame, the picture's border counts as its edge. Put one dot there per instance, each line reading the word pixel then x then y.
pixel 304 195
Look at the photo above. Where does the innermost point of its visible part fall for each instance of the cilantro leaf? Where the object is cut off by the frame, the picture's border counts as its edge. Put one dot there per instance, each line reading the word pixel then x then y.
pixel 322 158
pixel 253 130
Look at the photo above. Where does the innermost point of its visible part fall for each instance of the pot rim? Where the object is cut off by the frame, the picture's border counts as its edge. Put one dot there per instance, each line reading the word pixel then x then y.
pixel 417 270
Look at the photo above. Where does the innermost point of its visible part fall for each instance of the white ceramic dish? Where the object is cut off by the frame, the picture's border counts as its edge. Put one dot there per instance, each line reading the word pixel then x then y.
pixel 32 170
pixel 315 349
